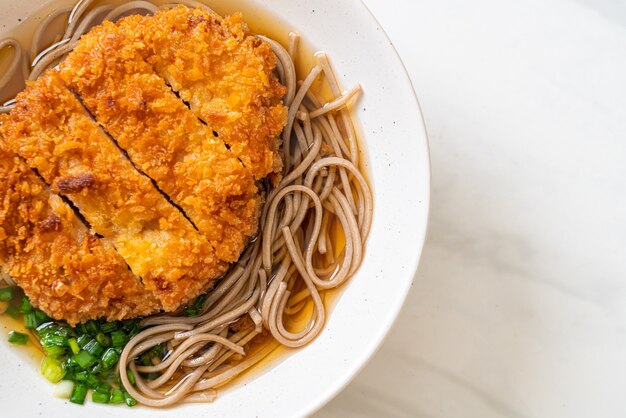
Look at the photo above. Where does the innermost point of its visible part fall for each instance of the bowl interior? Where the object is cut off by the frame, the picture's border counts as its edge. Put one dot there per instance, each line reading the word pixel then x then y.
pixel 396 152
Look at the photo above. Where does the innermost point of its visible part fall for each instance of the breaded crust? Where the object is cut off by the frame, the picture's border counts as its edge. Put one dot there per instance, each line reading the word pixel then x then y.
pixel 172 196
pixel 50 129
pixel 225 74
pixel 164 138
pixel 64 269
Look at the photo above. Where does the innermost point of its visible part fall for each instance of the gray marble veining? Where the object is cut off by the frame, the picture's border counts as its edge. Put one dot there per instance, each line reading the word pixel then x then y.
pixel 519 305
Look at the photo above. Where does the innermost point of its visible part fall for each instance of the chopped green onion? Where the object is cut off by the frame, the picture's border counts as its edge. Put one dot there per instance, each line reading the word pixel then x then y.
pixel 97 368
pixel 190 312
pixel 92 381
pixel 94 348
pixel 17 338
pixel 54 351
pixel 52 369
pixel 158 350
pixel 83 340
pixel 194 309
pixel 41 316
pixel 118 339
pixel 25 305
pixel 6 294
pixel 81 376
pixel 103 388
pixel 200 301
pixel 92 328
pixel 61 330
pixel 84 359
pixel 46 328
pixel 117 396
pixel 131 327
pixel 130 401
pixel 110 358
pixel 100 397
pixel 30 320
pixel 52 339
pixel 129 324
pixel 109 327
pixel 103 339
pixel 12 311
pixel 146 359
pixel 80 328
pixel 71 366
pixel 79 394
pixel 131 377
pixel 73 345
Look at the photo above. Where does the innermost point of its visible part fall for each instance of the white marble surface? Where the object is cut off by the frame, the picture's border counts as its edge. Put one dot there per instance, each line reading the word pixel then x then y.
pixel 519 306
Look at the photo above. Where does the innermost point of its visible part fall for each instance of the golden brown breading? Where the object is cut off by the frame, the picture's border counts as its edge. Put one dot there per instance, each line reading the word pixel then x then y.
pixel 164 139
pixel 50 129
pixel 65 270
pixel 223 72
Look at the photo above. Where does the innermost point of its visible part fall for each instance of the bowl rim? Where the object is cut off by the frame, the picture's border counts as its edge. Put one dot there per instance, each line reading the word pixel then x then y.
pixel 377 345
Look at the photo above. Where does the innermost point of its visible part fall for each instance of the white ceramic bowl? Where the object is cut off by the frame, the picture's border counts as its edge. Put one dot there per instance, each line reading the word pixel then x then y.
pixel 394 138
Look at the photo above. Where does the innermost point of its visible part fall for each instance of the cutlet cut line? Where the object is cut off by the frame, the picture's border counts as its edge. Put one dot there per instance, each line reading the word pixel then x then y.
pixel 164 138
pixel 63 197
pixel 76 211
pixel 198 58
pixel 125 154
pixel 55 255
pixel 202 121
pixel 66 199
pixel 78 214
pixel 52 131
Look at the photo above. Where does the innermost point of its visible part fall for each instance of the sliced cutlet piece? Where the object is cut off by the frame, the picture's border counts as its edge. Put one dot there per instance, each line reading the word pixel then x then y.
pixel 164 139
pixel 65 270
pixel 51 130
pixel 225 73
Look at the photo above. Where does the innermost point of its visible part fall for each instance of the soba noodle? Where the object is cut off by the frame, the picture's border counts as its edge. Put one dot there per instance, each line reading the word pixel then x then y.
pixel 283 273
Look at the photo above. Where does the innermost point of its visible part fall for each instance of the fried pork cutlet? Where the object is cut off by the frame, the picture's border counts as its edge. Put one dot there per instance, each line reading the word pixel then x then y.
pixel 164 138
pixel 223 72
pixel 50 129
pixel 64 269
